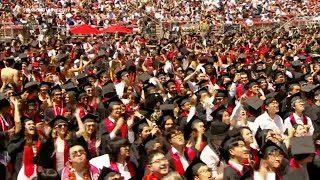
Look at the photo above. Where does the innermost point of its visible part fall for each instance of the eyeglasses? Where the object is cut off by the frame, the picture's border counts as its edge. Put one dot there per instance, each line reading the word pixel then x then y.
pixel 177 135
pixel 79 152
pixel 61 125
pixel 164 159
pixel 276 155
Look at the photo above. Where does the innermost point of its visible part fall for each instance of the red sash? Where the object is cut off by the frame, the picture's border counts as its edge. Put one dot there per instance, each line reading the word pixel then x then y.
pixel 235 169
pixel 294 165
pixel 114 166
pixel 110 126
pixel 293 120
pixel 3 126
pixel 184 114
pixel 28 156
pixel 177 162
pixel 150 176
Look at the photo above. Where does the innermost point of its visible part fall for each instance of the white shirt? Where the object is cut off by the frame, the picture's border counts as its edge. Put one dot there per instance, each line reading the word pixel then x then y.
pixel 124 171
pixel 119 89
pixel 211 159
pixel 182 158
pixel 266 122
pixel 239 167
pixel 299 120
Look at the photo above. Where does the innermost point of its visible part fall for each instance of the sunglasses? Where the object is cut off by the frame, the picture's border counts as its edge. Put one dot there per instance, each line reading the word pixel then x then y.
pixel 61 125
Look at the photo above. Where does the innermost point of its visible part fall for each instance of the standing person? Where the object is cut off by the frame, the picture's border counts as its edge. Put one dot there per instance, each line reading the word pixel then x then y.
pixel 58 107
pixel 6 124
pixel 78 166
pixel 157 164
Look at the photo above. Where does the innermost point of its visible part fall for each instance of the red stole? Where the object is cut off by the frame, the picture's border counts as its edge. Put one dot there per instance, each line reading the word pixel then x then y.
pixel 293 120
pixel 58 111
pixel 253 156
pixel 240 90
pixel 294 164
pixel 110 126
pixel 114 166
pixel 184 114
pixel 150 176
pixel 84 111
pixel 65 154
pixel 3 126
pixel 28 156
pixel 235 169
pixel 189 154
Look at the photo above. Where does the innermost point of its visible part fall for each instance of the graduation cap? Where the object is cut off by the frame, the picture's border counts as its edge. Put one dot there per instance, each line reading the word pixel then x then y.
pixel 169 83
pixel 201 91
pixel 308 88
pixel 146 112
pixel 31 102
pixel 45 84
pixel 112 101
pixel 180 57
pixel 167 113
pixel 193 169
pixel 75 141
pixel 271 97
pixel 254 102
pixel 188 128
pixel 80 94
pixel 222 93
pixel 55 89
pixel 277 73
pixel 302 145
pixel 183 100
pixel 31 85
pixel 138 126
pixel 297 63
pixel 89 118
pixel 121 73
pixel 260 136
pixel 99 73
pixel 23 57
pixel 130 66
pixel 294 97
pixel 148 88
pixel 217 130
pixel 62 57
pixel 269 147
pixel 4 101
pixel 260 79
pixel 252 83
pixel 58 119
pixel 107 173
pixel 144 77
pixel 218 111
pixel 81 79
pixel 152 99
pixel 108 90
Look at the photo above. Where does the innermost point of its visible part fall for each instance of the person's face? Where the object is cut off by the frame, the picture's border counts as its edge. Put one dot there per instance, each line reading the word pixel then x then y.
pixel 225 117
pixel 187 106
pixel 240 151
pixel 263 84
pixel 124 151
pixel 208 69
pixel 67 98
pixel 61 128
pixel 247 136
pixel 299 105
pixel 204 173
pixel 274 160
pixel 57 96
pixel 116 111
pixel 255 89
pixel 84 100
pixel 168 124
pixel 90 127
pixel 89 91
pixel 32 110
pixel 201 77
pixel 243 113
pixel 300 131
pixel 295 90
pixel 24 67
pixel 30 127
pixel 271 135
pixel 77 155
pixel 177 139
pixel 280 79
pixel 145 132
pixel 244 79
pixel 129 90
pixel 200 127
pixel 43 90
pixel 162 79
pixel 222 100
pixel 125 78
pixel 159 165
pixel 104 78
pixel 310 80
pixel 273 107
pixel 172 89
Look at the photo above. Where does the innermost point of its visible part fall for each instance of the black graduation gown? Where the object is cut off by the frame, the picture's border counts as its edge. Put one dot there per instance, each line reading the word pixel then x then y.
pixel 15 150
pixel 314 168
pixel 201 112
pixel 313 112
pixel 231 174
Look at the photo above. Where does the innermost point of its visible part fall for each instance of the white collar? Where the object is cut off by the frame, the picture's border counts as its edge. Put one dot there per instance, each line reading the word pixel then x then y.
pixel 236 165
pixel 175 151
pixel 111 119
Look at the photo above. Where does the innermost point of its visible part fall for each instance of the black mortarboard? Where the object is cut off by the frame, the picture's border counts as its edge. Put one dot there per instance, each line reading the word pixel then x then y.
pixel 296 63
pixel 31 85
pixel 188 128
pixel 169 82
pixel 167 113
pixel 252 83
pixel 277 73
pixel 25 119
pixel 138 126
pixel 148 88
pixel 217 111
pixel 254 102
pixel 193 168
pixel 55 89
pixel 31 102
pixel 201 91
pixel 62 57
pixel 47 84
pixel 309 88
pixel 112 101
pixel 121 73
pixel 108 90
pixel 89 118
pixel 294 97
pixel 183 100
pixel 268 147
pixel 99 73
pixel 146 112
pixel 130 66
pixel 217 130
pixel 222 93
pixel 81 79
pixel 107 173
pixel 296 174
pixel 4 101
pixel 80 94
pixel 145 77
pixel 302 145
pixel 260 136
pixel 271 97
pixel 260 79
pixel 23 57
pixel 75 141
pixel 184 51
pixel 152 99
pixel 10 60
pixel 180 57
pixel 57 120
pixel 70 87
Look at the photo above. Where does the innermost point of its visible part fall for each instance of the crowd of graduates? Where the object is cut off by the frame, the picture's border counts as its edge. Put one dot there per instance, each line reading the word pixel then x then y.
pixel 238 105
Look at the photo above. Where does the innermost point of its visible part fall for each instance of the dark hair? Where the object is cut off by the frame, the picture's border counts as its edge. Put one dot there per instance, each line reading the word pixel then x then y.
pixel 269 100
pixel 48 174
pixel 115 146
pixel 172 131
pixel 300 157
pixel 152 154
